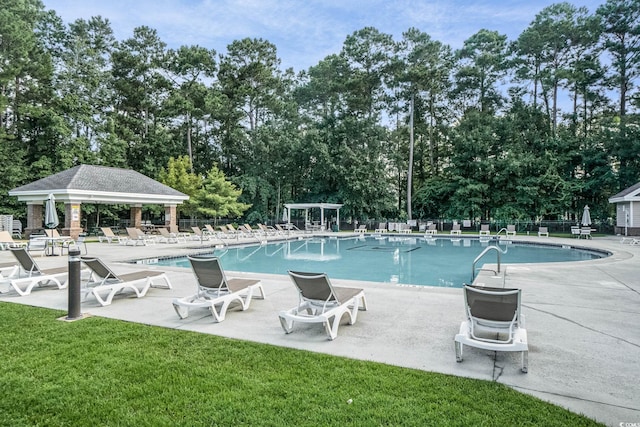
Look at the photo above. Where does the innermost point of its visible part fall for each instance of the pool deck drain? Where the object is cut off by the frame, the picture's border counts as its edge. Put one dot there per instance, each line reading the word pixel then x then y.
pixel 582 323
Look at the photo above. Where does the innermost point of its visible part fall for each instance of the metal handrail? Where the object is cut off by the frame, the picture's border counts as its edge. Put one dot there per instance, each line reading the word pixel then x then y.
pixel 487 249
pixel 501 230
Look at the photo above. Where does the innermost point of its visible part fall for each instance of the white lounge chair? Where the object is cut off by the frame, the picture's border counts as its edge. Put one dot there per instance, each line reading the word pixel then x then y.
pixel 109 236
pixel 543 232
pixel 6 241
pixel 199 234
pixel 138 237
pixel 511 230
pixel 484 230
pixel 168 237
pixel 493 322
pixel 431 229
pixel 455 229
pixel 320 302
pixel 30 275
pixel 382 228
pixel 361 229
pixel 215 291
pixel 575 231
pixel 8 269
pixel 104 284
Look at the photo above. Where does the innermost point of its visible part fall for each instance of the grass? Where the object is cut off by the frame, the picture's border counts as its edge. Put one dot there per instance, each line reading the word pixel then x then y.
pixel 101 371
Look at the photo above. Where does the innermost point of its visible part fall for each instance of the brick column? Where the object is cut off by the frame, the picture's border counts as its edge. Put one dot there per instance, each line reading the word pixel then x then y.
pixel 136 216
pixel 34 218
pixel 72 220
pixel 170 217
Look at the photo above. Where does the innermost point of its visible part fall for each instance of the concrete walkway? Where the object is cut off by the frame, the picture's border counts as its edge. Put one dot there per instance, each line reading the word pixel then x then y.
pixel 582 323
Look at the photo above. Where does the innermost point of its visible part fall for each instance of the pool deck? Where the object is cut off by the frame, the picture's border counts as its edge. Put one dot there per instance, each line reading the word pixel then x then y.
pixel 582 320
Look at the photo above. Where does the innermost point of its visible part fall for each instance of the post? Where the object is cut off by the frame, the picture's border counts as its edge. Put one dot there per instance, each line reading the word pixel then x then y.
pixel 74 284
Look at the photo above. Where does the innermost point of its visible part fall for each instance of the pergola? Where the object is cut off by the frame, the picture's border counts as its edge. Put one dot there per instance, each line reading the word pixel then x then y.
pixel 307 206
pixel 96 185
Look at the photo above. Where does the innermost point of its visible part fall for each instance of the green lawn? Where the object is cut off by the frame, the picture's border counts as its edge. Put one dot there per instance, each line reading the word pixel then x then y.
pixel 99 371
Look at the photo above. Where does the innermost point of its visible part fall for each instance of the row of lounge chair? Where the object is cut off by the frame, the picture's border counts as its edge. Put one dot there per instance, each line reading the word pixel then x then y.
pixel 136 237
pixel 493 319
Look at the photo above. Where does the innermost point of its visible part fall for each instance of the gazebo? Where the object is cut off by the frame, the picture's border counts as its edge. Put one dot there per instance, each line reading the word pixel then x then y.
pixel 98 185
pixel 627 211
pixel 307 206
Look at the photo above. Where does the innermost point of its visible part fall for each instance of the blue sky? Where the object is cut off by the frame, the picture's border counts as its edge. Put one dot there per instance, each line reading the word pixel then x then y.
pixel 306 31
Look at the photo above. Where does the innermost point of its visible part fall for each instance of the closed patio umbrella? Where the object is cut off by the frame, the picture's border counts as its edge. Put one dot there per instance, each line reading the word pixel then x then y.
pixel 50 215
pixel 586 216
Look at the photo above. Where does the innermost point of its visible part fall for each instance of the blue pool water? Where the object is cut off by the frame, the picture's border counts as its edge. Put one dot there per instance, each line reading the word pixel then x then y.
pixel 405 260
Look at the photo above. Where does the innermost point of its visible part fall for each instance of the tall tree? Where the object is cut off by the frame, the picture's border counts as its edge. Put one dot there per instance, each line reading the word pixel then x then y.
pixel 482 62
pixel 621 34
pixel 189 67
pixel 140 89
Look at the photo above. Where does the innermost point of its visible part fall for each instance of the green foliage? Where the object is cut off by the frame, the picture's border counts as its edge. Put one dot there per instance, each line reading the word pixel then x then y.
pixel 491 138
pixel 178 176
pixel 218 198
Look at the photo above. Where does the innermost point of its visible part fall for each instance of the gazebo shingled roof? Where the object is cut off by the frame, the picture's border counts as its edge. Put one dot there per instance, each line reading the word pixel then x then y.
pixel 100 184
pixel 97 184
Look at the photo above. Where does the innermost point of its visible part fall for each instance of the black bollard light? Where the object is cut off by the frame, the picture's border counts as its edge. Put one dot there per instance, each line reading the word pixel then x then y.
pixel 74 284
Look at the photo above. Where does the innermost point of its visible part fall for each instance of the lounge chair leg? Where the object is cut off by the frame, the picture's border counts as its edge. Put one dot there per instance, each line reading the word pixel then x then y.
pixel 458 351
pixel 182 311
pixel 363 303
pixel 525 362
pixel 219 315
pixel 332 329
pixel 287 325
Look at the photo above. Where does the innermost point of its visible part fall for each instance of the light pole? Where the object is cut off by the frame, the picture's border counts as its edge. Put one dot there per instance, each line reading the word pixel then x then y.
pixel 74 302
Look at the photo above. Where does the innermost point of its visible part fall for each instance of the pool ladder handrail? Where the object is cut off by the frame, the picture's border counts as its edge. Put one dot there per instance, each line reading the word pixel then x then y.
pixel 485 251
pixel 501 230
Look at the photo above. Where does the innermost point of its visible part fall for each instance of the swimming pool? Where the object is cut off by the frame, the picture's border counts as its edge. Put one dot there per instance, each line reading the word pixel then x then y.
pixel 394 259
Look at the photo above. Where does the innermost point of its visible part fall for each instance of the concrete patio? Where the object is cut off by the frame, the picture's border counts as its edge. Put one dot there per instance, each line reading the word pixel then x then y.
pixel 582 323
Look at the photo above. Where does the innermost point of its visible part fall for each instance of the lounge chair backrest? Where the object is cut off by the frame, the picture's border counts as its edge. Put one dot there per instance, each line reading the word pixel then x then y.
pixel 5 237
pixel 52 232
pixel 313 286
pixel 107 231
pixel 495 304
pixel 456 227
pixel 97 266
pixel 511 228
pixel 209 228
pixel 26 261
pixel 164 232
pixel 484 227
pixel 196 231
pixel 208 272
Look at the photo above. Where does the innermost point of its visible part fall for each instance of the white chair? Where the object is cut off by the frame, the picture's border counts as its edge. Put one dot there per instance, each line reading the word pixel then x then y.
pixel 493 321
pixel 104 284
pixel 511 230
pixel 543 232
pixel 215 291
pixel 30 275
pixel 320 302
